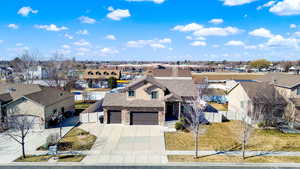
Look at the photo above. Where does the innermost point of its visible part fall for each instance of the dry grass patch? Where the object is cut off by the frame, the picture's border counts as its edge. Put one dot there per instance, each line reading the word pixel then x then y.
pixel 31 158
pixel 223 136
pixel 235 159
pixel 71 158
pixel 77 139
pixel 220 107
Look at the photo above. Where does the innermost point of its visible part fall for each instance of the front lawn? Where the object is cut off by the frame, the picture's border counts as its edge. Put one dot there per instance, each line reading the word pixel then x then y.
pixel 235 159
pixel 46 158
pixel 223 136
pixel 77 139
pixel 219 107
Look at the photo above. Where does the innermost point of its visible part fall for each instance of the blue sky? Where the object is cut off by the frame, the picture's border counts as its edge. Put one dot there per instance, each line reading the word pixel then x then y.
pixel 152 29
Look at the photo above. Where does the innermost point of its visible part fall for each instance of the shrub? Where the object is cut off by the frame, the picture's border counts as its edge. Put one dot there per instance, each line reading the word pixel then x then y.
pixel 261 124
pixel 179 125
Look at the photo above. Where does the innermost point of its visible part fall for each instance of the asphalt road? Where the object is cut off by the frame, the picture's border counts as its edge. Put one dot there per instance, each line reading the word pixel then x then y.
pixel 167 166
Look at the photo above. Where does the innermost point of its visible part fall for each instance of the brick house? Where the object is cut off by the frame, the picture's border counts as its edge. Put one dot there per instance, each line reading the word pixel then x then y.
pixel 148 101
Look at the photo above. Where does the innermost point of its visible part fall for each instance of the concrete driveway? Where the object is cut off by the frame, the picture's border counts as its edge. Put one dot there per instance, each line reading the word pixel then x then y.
pixel 127 144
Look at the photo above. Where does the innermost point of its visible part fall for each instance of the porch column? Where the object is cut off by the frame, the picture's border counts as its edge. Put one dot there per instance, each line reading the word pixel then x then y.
pixel 179 109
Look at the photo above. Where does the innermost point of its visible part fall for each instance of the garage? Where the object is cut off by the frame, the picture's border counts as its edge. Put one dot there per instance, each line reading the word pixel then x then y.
pixel 114 117
pixel 144 118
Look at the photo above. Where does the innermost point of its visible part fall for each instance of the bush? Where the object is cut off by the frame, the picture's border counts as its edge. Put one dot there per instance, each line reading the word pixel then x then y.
pixel 179 125
pixel 261 124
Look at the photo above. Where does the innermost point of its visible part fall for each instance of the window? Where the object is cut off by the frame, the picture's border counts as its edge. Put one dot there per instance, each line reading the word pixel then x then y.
pixel 298 91
pixel 242 104
pixel 154 95
pixel 131 93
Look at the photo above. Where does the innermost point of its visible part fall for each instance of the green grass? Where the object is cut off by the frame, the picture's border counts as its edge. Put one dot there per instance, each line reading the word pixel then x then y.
pixel 234 159
pixel 77 139
pixel 82 105
pixel 224 137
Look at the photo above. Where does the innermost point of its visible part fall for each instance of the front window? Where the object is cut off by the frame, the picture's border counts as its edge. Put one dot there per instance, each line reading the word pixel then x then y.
pixel 154 95
pixel 131 93
pixel 298 91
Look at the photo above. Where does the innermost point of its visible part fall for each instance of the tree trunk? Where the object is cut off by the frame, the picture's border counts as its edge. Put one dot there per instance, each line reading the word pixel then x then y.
pixel 244 145
pixel 196 142
pixel 23 148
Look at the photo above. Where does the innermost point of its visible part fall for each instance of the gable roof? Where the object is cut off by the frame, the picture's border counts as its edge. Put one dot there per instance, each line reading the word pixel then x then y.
pixel 180 87
pixel 143 80
pixel 48 96
pixel 17 90
pixel 281 79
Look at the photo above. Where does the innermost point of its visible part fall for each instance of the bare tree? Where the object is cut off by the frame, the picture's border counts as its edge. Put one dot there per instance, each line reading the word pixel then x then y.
pixel 19 127
pixel 268 105
pixel 194 116
pixel 30 61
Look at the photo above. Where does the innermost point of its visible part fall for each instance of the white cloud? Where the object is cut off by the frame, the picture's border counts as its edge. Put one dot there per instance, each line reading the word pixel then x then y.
pixel 279 41
pixel 217 31
pixel 108 51
pixel 216 21
pixel 51 27
pixel 26 10
pixel 155 44
pixel 188 28
pixel 69 36
pixel 110 37
pixel 13 26
pixel 266 5
pixel 87 20
pixel 235 43
pixel 66 46
pixel 286 8
pixel 236 2
pixel 261 32
pixel 201 31
pixel 19 44
pixel 118 14
pixel 82 42
pixel 198 43
pixel 83 50
pixel 82 32
pixel 292 26
pixel 154 1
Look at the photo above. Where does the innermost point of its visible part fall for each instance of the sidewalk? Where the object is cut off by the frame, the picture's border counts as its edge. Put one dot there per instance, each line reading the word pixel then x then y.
pixel 236 153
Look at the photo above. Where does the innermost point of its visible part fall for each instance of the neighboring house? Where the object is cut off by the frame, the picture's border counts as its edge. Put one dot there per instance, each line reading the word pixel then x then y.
pixel 246 98
pixel 4 99
pixel 36 73
pixel 288 85
pixel 98 78
pixel 43 103
pixel 148 101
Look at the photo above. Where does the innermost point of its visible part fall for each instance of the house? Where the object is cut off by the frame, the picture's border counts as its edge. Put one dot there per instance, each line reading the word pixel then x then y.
pixel 98 78
pixel 43 103
pixel 288 85
pixel 247 98
pixel 148 101
pixel 36 73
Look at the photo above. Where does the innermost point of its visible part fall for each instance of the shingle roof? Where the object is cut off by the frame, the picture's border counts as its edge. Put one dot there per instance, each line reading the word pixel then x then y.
pixel 48 96
pixel 119 100
pixel 18 90
pixel 6 97
pixel 281 79
pixel 181 87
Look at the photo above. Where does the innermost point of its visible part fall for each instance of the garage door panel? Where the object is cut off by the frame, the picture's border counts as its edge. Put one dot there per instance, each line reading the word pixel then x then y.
pixel 114 117
pixel 144 118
